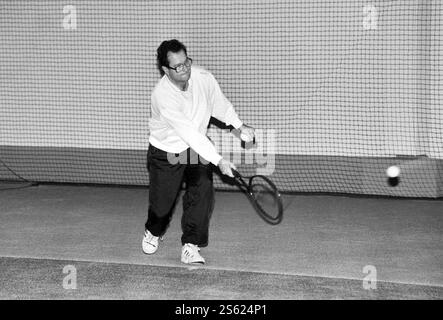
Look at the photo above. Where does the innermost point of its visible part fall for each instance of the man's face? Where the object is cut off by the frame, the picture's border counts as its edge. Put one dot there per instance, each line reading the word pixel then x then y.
pixel 176 59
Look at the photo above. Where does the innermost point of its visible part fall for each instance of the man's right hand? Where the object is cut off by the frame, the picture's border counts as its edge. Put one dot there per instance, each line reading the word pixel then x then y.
pixel 226 167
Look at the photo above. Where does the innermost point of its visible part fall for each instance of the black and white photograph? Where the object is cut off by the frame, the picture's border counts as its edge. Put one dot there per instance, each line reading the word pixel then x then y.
pixel 221 158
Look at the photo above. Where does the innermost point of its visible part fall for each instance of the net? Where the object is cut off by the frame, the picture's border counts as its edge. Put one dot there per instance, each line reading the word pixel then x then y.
pixel 337 90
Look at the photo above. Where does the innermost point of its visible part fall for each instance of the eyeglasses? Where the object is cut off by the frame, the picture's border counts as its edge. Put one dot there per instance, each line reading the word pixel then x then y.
pixel 181 67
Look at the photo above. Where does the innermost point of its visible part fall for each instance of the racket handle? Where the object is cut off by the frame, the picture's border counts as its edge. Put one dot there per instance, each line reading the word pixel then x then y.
pixel 236 173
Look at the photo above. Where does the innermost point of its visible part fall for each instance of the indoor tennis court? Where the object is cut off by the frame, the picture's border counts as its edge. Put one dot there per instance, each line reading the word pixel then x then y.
pixel 338 92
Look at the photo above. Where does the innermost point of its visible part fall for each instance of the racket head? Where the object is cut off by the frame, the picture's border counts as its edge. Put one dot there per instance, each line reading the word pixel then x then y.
pixel 266 199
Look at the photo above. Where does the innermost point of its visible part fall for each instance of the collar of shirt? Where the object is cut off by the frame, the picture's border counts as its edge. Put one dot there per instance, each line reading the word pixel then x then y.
pixel 175 88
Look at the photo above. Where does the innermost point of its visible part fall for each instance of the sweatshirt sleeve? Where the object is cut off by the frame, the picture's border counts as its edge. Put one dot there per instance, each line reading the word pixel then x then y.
pixel 186 129
pixel 223 110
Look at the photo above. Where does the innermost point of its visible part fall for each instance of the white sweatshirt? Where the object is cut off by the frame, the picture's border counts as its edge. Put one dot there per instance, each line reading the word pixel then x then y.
pixel 180 118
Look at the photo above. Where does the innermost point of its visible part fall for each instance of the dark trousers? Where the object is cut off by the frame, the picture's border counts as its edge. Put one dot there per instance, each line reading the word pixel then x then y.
pixel 165 180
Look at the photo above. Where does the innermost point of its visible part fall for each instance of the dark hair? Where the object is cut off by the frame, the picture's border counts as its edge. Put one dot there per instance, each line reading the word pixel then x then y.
pixel 162 52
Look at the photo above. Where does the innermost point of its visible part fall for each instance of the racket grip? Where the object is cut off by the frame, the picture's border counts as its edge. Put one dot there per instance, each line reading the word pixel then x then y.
pixel 236 173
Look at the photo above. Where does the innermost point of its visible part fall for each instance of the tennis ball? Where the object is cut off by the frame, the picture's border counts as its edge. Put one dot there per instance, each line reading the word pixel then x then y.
pixel 393 172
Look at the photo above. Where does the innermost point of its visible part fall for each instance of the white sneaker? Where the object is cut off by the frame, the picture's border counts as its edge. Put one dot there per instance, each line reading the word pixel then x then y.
pixel 191 255
pixel 149 243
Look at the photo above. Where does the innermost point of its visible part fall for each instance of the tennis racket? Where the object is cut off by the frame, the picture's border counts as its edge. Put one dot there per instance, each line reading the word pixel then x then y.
pixel 264 196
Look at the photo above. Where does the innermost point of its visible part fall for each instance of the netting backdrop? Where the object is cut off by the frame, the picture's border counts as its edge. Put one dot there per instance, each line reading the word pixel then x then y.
pixel 337 89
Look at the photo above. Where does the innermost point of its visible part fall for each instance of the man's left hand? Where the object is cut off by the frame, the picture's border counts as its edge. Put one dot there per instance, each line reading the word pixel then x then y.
pixel 247 131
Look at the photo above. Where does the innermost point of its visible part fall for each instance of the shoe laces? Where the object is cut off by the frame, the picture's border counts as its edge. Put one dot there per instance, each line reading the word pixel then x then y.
pixel 191 249
pixel 150 237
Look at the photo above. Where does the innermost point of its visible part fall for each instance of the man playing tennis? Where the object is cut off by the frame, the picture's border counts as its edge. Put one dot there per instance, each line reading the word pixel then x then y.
pixel 182 103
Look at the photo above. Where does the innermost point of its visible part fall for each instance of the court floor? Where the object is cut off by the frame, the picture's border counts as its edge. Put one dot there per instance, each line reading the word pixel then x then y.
pixel 327 237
